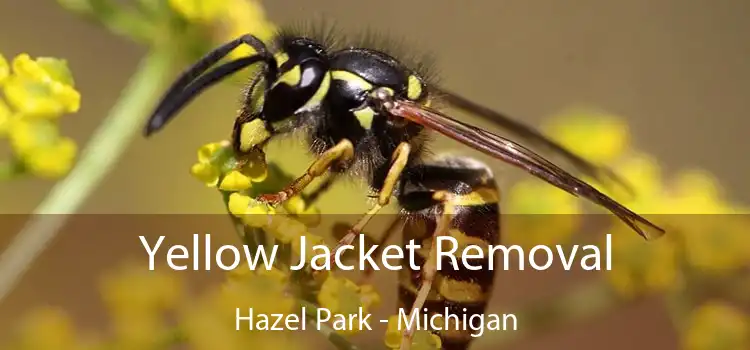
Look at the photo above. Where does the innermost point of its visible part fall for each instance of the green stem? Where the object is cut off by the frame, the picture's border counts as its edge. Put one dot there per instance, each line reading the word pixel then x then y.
pixel 102 152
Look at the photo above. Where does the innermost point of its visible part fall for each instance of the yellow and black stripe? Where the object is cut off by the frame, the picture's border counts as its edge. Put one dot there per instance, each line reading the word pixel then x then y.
pixel 473 201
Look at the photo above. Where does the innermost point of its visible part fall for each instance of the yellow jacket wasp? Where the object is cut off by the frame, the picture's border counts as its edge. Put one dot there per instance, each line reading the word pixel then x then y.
pixel 365 114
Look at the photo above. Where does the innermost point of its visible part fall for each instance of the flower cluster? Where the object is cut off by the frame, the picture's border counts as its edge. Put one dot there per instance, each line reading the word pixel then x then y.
pixel 705 241
pixel 37 92
pixel 210 322
pixel 717 325
pixel 231 18
pixel 216 167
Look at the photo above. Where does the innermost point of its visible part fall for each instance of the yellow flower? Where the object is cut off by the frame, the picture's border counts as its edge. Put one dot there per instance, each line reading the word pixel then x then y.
pixel 210 322
pixel 254 166
pixel 717 326
pixel 540 214
pixel 278 276
pixel 207 152
pixel 235 181
pixel 311 240
pixel 206 173
pixel 4 69
pixel 238 204
pixel 134 289
pixel 245 17
pixel 53 161
pixel 41 148
pixel 36 93
pixel 643 173
pixel 208 169
pixel 640 267
pixel 48 329
pixel 201 11
pixel 215 159
pixel 596 136
pixel 42 87
pixel 28 135
pixel 297 206
pixel 715 243
pixel 422 340
pixel 6 117
pixel 538 197
pixel 250 211
pixel 714 240
pixel 287 229
pixel 696 192
pixel 138 300
pixel 342 296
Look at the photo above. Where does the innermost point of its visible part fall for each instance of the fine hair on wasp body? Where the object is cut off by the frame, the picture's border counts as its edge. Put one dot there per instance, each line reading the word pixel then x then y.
pixel 366 113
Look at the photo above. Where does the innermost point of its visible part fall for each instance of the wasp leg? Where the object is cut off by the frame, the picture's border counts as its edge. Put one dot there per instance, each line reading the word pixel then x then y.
pixel 341 152
pixel 398 163
pixel 367 274
pixel 429 269
pixel 312 197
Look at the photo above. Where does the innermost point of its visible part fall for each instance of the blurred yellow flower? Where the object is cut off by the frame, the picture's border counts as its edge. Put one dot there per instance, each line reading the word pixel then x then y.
pixel 202 11
pixel 210 322
pixel 640 267
pixel 538 197
pixel 309 215
pixel 231 18
pixel 342 296
pixel 38 91
pixel 133 289
pixel 252 213
pixel 717 326
pixel 53 161
pixel 538 213
pixel 596 136
pixel 39 145
pixel 47 328
pixel 422 340
pixel 696 192
pixel 311 240
pixel 4 69
pixel 6 117
pixel 643 173
pixel 42 87
pixel 289 230
pixel 715 243
pixel 244 17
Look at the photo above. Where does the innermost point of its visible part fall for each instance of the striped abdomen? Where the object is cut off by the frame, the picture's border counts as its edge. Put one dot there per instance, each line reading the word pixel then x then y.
pixel 457 292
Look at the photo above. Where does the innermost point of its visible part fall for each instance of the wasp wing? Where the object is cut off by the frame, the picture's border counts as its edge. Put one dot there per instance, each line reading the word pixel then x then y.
pixel 531 135
pixel 518 155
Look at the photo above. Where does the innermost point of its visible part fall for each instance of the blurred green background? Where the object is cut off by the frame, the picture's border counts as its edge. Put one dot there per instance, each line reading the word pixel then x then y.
pixel 675 70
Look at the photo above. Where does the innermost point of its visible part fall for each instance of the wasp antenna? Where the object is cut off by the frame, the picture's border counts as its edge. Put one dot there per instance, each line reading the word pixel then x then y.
pixel 186 87
pixel 169 108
